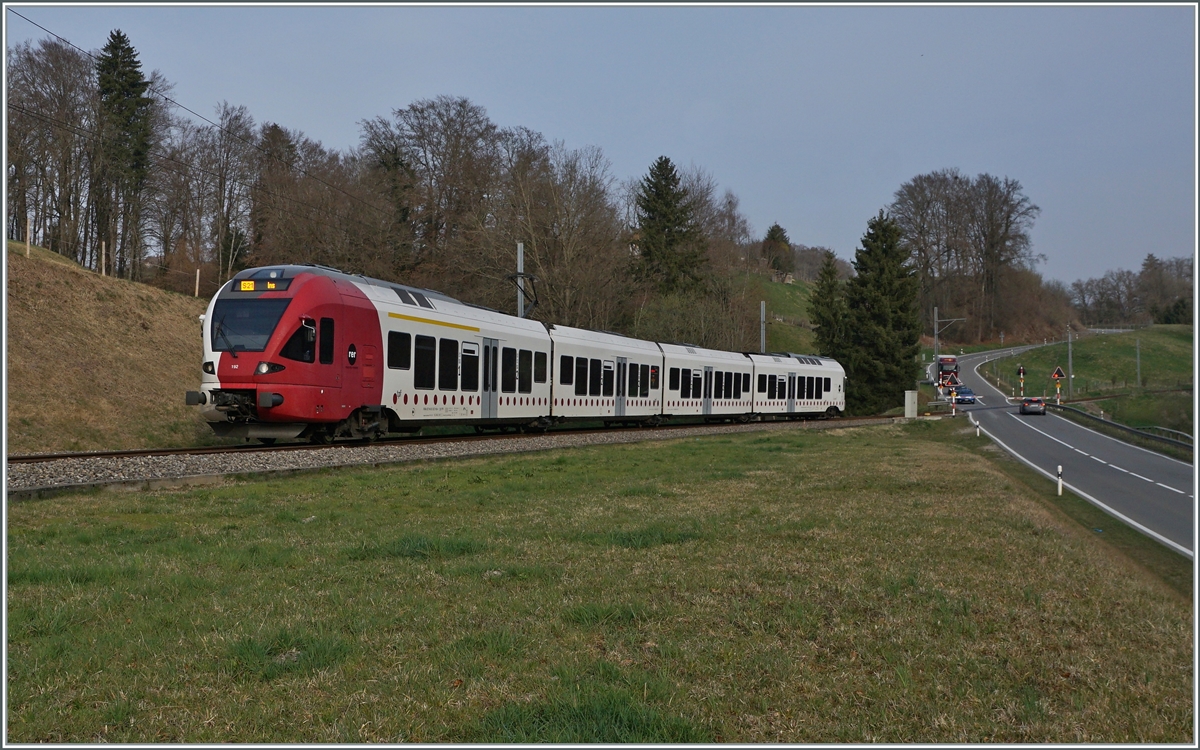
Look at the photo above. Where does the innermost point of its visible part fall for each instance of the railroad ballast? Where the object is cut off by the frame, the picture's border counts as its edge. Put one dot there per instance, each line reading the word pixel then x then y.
pixel 311 352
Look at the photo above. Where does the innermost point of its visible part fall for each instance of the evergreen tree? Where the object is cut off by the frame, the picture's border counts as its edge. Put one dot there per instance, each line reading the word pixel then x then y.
pixel 123 161
pixel 777 249
pixel 827 309
pixel 883 328
pixel 670 244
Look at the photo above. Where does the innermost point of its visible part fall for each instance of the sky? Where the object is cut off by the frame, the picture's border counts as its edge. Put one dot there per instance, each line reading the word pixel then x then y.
pixel 813 116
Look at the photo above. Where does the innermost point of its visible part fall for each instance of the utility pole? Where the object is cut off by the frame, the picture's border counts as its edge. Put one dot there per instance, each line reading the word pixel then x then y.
pixel 520 279
pixel 1137 342
pixel 1070 368
pixel 762 327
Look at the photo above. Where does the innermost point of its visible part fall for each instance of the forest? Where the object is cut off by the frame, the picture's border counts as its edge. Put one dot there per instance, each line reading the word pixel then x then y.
pixel 106 168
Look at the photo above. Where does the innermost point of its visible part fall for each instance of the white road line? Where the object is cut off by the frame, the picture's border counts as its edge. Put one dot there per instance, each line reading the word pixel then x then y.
pixel 1101 460
pixel 1077 450
pixel 1022 421
pixel 1139 476
pixel 1118 440
pixel 1172 489
pixel 1118 468
pixel 1116 514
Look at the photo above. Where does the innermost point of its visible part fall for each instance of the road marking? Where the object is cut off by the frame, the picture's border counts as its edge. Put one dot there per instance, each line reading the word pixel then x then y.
pixel 1172 489
pixel 1118 440
pixel 1021 421
pixel 1118 468
pixel 1116 514
pixel 1101 460
pixel 1139 476
pixel 1076 450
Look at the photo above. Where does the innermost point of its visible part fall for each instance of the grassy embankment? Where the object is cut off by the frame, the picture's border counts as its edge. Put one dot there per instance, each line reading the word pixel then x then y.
pixel 787 314
pixel 97 363
pixel 1106 366
pixel 840 586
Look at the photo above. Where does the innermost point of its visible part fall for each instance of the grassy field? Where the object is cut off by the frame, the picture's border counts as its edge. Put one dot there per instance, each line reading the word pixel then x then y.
pixel 790 303
pixel 884 584
pixel 1106 365
pixel 97 363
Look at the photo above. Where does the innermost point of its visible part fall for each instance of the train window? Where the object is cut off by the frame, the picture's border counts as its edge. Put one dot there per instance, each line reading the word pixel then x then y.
pixel 685 384
pixel 745 382
pixel 811 388
pixel 770 386
pixel 581 373
pixel 595 377
pixel 525 372
pixel 404 296
pixel 817 393
pixel 610 373
pixel 719 385
pixel 708 381
pixel 508 369
pixel 539 367
pixel 422 301
pixel 648 382
pixel 300 346
pixel 399 352
pixel 827 389
pixel 566 369
pixel 622 372
pixel 762 383
pixel 470 367
pixel 792 390
pixel 696 380
pixel 326 345
pixel 448 365
pixel 426 362
pixel 633 379
pixel 729 384
pixel 673 378
pixel 737 385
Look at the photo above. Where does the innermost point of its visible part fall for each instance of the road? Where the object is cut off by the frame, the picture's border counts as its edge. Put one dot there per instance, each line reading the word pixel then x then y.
pixel 1147 490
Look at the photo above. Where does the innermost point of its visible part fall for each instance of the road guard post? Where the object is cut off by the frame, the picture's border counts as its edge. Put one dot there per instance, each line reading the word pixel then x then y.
pixel 1021 375
pixel 1060 480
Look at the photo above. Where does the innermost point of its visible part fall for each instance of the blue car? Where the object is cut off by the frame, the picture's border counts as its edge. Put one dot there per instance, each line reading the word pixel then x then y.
pixel 964 396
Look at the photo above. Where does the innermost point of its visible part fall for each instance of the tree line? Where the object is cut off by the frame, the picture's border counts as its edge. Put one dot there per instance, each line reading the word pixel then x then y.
pixel 104 169
pixel 1160 292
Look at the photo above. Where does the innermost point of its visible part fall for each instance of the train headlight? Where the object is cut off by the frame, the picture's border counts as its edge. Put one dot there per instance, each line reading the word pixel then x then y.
pixel 210 368
pixel 266 368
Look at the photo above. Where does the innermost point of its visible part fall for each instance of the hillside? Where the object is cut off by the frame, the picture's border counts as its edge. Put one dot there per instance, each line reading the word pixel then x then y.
pixel 788 302
pixel 97 363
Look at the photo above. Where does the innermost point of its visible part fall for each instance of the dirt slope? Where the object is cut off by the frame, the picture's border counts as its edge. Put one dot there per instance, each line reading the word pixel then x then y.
pixel 97 363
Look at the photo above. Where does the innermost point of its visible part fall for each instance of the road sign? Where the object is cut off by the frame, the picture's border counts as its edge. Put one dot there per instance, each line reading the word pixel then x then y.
pixel 1058 373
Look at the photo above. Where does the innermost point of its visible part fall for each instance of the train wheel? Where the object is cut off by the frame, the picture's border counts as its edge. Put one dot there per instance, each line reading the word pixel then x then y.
pixel 320 438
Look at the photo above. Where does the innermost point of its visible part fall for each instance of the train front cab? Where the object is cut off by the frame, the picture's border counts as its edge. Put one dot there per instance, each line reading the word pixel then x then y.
pixel 289 351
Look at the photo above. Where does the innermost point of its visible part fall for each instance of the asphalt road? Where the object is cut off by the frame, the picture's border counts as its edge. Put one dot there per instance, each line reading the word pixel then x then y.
pixel 1147 490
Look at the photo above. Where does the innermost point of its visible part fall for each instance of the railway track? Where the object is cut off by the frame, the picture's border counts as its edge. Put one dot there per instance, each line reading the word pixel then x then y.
pixel 45 475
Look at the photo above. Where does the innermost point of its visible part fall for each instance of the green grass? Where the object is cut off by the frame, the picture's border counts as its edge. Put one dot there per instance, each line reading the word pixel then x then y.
pixel 833 586
pixel 1106 365
pixel 789 302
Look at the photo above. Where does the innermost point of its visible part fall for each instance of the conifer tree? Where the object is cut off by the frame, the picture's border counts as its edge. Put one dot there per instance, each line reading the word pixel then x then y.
pixel 827 309
pixel 883 330
pixel 123 161
pixel 669 242
pixel 777 249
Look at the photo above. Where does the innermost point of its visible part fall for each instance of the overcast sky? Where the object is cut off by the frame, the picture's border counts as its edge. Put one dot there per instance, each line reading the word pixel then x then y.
pixel 813 116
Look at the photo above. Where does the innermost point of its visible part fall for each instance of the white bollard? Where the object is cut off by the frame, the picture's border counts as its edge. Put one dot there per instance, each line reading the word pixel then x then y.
pixel 1060 480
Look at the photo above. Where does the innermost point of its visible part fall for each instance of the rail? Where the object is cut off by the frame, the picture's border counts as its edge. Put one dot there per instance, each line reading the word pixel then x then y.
pixel 1141 432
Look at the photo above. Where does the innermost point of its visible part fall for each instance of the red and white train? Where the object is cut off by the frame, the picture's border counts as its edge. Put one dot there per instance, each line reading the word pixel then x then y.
pixel 311 352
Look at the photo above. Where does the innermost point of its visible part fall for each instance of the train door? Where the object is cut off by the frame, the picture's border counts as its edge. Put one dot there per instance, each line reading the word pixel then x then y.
pixel 621 375
pixel 791 392
pixel 708 378
pixel 368 366
pixel 491 383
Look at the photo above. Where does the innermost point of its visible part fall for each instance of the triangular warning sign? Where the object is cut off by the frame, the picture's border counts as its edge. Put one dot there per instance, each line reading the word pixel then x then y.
pixel 1058 373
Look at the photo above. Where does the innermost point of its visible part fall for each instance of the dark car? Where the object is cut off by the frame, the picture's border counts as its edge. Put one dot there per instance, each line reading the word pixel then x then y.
pixel 1033 405
pixel 964 395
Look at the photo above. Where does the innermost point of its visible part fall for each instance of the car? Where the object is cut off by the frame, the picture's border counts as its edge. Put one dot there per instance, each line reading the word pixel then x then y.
pixel 964 395
pixel 1033 405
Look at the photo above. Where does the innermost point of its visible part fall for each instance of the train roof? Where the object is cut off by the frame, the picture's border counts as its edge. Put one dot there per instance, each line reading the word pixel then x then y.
pixel 291 270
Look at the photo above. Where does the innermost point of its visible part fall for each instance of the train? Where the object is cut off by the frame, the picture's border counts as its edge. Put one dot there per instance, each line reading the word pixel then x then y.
pixel 306 352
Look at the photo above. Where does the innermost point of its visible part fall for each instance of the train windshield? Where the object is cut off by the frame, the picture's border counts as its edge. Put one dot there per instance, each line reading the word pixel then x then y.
pixel 245 325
